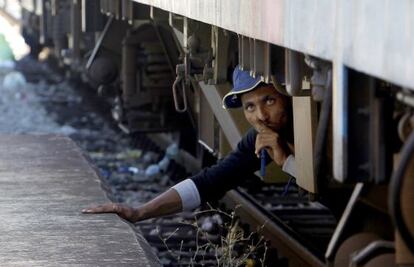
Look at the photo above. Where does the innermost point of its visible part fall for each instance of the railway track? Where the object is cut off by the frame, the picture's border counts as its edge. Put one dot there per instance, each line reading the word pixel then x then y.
pixel 294 229
pixel 297 230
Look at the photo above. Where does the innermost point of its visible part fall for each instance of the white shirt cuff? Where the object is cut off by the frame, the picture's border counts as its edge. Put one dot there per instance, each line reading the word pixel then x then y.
pixel 290 165
pixel 190 197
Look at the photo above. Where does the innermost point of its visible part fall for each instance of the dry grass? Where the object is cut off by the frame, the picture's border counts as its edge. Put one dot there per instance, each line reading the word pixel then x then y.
pixel 235 247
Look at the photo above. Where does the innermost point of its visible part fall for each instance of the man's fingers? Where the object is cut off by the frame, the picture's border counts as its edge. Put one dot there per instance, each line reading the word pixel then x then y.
pixel 106 208
pixel 263 128
pixel 265 140
pixel 121 210
pixel 258 146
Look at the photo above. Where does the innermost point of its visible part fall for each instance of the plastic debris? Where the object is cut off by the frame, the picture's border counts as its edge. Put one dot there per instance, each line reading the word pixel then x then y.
pixel 14 81
pixel 211 224
pixel 172 151
pixel 5 51
pixel 133 170
pixel 152 171
pixel 154 232
pixel 7 64
pixel 207 225
pixel 123 169
pixel 164 163
pixel 217 219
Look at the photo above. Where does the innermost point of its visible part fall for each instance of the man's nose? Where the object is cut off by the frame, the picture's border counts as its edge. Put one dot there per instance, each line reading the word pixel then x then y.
pixel 262 114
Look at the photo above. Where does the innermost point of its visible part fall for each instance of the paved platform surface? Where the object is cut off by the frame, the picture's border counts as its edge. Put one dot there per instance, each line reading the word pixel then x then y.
pixel 44 183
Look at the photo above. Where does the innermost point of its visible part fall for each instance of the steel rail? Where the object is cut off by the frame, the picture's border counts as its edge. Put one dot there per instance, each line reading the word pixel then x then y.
pixel 297 254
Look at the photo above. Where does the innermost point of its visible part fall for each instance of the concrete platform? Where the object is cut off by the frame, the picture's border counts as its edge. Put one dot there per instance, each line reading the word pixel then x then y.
pixel 45 181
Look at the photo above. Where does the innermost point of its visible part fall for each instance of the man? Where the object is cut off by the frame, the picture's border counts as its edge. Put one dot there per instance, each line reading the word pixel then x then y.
pixel 269 114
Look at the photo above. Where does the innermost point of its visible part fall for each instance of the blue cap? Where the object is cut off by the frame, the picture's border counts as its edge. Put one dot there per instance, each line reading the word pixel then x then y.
pixel 242 83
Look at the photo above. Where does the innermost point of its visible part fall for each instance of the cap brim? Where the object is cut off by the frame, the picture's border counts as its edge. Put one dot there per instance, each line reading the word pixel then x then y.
pixel 231 94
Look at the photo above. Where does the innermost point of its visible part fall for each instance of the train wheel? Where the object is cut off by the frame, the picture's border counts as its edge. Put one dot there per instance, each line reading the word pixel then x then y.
pixel 384 260
pixel 352 244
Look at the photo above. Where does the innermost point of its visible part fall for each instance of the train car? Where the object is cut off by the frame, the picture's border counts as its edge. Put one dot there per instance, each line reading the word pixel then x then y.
pixel 346 65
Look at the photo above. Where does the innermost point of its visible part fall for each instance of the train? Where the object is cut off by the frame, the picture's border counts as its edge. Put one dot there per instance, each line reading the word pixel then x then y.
pixel 347 66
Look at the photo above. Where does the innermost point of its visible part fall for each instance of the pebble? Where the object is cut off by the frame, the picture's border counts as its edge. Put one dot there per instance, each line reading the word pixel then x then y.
pixel 150 157
pixel 152 171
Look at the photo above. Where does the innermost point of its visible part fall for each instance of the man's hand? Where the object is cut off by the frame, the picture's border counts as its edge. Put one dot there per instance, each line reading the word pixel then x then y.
pixel 123 211
pixel 277 148
pixel 168 202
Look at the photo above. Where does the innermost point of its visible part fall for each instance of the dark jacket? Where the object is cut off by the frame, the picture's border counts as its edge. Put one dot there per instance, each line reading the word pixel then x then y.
pixel 213 182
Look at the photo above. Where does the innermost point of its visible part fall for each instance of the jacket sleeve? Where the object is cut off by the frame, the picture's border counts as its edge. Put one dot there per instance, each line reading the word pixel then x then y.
pixel 213 182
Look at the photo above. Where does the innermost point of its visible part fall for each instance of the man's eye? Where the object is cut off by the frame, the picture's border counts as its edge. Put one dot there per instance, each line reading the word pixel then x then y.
pixel 270 101
pixel 249 107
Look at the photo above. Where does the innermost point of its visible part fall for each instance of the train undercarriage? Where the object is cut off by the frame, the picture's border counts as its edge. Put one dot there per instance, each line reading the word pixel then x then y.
pixel 164 67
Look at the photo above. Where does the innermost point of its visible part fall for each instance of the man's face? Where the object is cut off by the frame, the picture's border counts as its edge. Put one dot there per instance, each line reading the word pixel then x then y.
pixel 264 106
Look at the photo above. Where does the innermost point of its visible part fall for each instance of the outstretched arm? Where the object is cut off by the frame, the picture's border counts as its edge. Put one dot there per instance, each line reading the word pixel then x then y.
pixel 168 202
pixel 208 185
